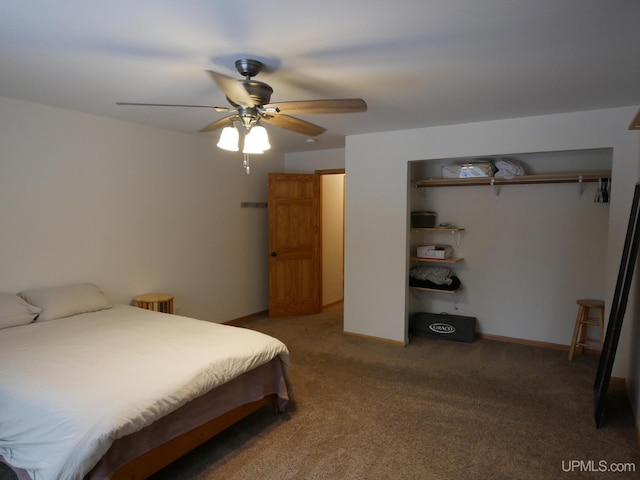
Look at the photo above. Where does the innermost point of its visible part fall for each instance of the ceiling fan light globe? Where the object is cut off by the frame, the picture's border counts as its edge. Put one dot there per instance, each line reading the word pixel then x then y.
pixel 256 141
pixel 229 139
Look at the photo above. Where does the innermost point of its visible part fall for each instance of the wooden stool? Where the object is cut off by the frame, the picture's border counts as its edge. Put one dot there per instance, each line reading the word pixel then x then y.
pixel 580 340
pixel 158 302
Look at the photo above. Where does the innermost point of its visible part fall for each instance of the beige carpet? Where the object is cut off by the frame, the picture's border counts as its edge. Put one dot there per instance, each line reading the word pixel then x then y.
pixel 433 410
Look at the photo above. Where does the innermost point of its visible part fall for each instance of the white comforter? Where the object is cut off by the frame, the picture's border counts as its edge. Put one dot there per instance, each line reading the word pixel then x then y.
pixel 70 387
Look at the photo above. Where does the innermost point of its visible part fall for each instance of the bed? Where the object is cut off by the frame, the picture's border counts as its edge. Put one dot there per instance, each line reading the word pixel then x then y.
pixel 95 391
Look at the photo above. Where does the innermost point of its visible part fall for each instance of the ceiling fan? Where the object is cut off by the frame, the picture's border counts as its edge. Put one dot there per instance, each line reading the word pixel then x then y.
pixel 250 99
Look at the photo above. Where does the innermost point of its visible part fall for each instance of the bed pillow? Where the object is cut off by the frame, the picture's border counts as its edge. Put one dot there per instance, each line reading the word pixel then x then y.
pixel 15 311
pixel 60 302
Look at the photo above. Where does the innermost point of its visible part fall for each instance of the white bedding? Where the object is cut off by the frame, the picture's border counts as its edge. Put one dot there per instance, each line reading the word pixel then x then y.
pixel 70 387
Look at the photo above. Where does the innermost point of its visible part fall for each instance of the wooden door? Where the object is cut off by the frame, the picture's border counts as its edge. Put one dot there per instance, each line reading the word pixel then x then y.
pixel 294 244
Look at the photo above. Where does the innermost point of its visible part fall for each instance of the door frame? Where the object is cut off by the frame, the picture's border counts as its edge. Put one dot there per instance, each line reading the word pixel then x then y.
pixel 320 173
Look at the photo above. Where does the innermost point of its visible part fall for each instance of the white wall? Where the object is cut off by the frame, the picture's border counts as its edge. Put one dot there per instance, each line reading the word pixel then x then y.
pixel 377 189
pixel 132 209
pixel 309 162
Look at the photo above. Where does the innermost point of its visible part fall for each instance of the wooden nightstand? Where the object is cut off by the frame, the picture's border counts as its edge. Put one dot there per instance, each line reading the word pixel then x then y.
pixel 158 302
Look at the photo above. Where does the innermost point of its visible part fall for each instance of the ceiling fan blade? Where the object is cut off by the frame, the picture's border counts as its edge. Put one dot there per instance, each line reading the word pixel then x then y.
pixel 233 89
pixel 343 105
pixel 217 109
pixel 294 124
pixel 223 122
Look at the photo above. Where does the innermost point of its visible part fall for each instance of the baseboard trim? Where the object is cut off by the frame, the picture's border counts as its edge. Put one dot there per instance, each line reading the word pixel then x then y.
pixel 522 341
pixel 241 320
pixel 620 381
pixel 371 338
pixel 337 302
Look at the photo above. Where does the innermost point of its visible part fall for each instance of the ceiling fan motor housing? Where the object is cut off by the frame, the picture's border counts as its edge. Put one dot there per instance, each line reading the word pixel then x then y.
pixel 259 92
pixel 248 67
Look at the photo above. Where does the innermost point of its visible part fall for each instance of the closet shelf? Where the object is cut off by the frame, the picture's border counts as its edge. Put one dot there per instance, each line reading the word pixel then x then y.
pixel 437 260
pixel 435 290
pixel 566 177
pixel 439 229
pixel 453 230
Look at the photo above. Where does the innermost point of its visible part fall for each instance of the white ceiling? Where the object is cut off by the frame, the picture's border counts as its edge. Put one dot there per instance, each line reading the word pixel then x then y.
pixel 416 63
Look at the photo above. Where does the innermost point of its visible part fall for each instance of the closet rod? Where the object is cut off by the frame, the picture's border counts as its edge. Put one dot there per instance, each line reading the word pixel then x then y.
pixel 565 177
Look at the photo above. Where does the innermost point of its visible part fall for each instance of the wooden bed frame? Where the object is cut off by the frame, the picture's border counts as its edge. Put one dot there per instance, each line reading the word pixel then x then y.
pixel 139 455
pixel 158 458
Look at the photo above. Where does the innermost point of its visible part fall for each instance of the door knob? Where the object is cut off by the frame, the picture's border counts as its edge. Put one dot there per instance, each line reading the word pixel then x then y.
pixel 274 254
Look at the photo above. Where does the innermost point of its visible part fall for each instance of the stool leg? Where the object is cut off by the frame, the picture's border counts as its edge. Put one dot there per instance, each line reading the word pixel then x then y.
pixel 583 329
pixel 576 329
pixel 601 322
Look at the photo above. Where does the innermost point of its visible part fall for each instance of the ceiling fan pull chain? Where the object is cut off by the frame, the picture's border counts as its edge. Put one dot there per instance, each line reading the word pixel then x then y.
pixel 245 163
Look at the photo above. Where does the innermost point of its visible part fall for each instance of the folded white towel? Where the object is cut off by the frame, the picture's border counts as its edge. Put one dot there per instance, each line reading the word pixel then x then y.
pixel 508 168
